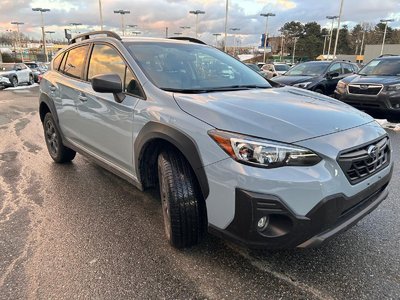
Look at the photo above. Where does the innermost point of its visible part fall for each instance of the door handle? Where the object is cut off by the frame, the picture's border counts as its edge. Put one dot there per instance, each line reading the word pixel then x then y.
pixel 82 98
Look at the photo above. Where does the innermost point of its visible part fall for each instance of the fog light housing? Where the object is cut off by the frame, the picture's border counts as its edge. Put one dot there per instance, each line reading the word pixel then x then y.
pixel 263 223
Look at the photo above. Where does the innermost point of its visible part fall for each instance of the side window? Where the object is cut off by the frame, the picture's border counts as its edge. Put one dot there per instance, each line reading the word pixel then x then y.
pixel 347 68
pixel 75 62
pixel 57 61
pixel 335 68
pixel 105 60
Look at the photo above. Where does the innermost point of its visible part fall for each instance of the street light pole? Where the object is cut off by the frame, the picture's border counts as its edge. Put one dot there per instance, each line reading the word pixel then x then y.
pixel 282 39
pixel 386 21
pixel 333 18
pixel 226 24
pixel 101 16
pixel 267 15
pixel 197 13
pixel 234 39
pixel 51 40
pixel 19 39
pixel 294 48
pixel 76 26
pixel 338 28
pixel 122 13
pixel 216 39
pixel 323 51
pixel 362 42
pixel 42 10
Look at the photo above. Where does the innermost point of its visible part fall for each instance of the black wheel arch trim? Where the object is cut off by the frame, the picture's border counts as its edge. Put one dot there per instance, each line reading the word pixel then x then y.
pixel 181 141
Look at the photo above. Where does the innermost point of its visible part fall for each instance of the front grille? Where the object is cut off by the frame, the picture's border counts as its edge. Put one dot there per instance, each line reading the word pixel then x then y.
pixel 361 163
pixel 365 89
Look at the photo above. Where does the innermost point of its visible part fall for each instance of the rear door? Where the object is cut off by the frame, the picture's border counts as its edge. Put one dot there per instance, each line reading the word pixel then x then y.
pixel 106 126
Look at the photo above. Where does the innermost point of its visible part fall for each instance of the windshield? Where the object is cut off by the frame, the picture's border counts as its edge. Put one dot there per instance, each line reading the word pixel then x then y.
pixel 282 68
pixel 382 67
pixel 6 67
pixel 193 68
pixel 308 69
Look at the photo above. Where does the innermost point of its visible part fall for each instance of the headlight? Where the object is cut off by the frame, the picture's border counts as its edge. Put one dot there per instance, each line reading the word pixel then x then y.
pixel 393 88
pixel 302 85
pixel 263 153
pixel 341 85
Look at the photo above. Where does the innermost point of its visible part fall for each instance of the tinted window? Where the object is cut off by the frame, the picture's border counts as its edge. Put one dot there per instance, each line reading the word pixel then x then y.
pixel 382 67
pixel 106 60
pixel 308 69
pixel 57 61
pixel 335 68
pixel 75 62
pixel 347 68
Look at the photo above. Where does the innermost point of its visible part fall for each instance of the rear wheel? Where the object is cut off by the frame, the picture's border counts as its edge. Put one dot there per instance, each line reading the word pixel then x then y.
pixel 58 152
pixel 184 212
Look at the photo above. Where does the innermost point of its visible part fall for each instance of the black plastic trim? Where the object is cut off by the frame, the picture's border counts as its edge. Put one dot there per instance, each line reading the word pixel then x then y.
pixel 330 216
pixel 180 140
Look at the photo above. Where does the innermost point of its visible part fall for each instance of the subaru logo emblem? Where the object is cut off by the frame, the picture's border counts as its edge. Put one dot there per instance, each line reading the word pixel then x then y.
pixel 364 86
pixel 372 151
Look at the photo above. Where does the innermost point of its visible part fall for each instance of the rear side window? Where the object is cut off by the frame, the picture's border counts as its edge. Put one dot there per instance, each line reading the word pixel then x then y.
pixel 57 61
pixel 75 62
pixel 347 68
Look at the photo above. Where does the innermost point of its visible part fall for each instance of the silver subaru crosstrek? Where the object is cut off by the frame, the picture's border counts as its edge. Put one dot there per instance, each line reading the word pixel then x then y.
pixel 265 167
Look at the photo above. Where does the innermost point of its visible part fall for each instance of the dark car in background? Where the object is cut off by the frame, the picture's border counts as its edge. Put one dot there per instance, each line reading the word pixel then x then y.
pixel 318 76
pixel 37 70
pixel 375 89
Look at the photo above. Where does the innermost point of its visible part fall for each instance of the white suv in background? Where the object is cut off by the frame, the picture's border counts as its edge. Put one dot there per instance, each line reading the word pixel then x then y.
pixel 12 74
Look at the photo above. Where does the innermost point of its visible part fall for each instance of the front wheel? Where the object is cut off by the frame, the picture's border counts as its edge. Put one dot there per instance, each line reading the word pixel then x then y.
pixel 31 81
pixel 14 82
pixel 58 152
pixel 184 212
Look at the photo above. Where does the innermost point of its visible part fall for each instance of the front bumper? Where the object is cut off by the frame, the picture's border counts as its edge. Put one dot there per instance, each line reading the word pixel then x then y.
pixel 384 101
pixel 285 229
pixel 4 81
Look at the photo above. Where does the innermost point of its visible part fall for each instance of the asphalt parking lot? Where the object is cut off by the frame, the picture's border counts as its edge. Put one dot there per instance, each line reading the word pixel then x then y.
pixel 77 231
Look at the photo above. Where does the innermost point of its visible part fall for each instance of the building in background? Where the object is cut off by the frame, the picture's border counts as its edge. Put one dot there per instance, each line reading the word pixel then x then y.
pixel 373 51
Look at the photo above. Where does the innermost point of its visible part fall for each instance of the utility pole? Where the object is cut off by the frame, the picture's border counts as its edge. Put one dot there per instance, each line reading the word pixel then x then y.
pixel 101 16
pixel 282 39
pixel 234 39
pixel 338 28
pixel 267 15
pixel 166 32
pixel 362 41
pixel 216 39
pixel 226 24
pixel 76 26
pixel 294 48
pixel 333 18
pixel 42 10
pixel 323 51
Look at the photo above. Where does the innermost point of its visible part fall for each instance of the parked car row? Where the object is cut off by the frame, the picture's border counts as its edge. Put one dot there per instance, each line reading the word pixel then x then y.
pixel 374 89
pixel 14 74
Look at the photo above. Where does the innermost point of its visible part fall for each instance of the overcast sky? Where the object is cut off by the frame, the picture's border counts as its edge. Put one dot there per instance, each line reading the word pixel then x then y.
pixel 153 16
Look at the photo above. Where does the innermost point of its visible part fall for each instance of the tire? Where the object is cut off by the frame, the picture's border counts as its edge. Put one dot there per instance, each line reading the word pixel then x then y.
pixel 58 152
pixel 184 212
pixel 31 80
pixel 14 82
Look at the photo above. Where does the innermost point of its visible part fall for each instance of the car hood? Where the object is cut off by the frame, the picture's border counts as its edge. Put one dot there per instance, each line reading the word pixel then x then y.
pixel 386 80
pixel 6 73
pixel 283 114
pixel 290 80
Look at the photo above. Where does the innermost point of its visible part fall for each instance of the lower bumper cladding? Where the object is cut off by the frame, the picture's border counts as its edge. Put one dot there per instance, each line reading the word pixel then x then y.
pixel 266 222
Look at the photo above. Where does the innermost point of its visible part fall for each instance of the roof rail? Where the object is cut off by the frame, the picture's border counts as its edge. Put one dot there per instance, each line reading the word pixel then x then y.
pixel 189 39
pixel 87 35
pixel 383 55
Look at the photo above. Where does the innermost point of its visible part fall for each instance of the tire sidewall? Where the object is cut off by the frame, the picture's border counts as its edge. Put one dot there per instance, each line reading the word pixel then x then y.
pixel 54 156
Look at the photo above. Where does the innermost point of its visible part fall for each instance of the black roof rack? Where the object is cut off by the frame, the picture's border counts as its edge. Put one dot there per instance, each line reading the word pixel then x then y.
pixel 385 55
pixel 189 39
pixel 87 35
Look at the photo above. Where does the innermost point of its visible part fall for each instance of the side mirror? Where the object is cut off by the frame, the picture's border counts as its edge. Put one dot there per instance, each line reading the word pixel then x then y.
pixel 108 83
pixel 18 68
